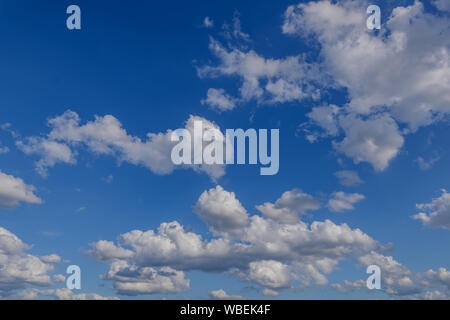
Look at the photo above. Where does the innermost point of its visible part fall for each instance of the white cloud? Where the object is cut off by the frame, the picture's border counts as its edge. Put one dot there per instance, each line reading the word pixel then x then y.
pixel 415 91
pixel 376 140
pixel 106 136
pixel 219 100
pixel 435 214
pixel 413 46
pixel 341 201
pixel 222 295
pixel 436 279
pixel 52 258
pixel 325 118
pixel 106 251
pixel 133 280
pixel 208 22
pixel 14 190
pixel 270 293
pixel 397 280
pixel 19 268
pixel 348 178
pixel 270 273
pixel 221 210
pixel 51 153
pixel 287 208
pixel 265 80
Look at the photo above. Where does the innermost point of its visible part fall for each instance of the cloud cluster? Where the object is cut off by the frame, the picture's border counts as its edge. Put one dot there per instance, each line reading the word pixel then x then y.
pixel 222 295
pixel 396 79
pixel 20 269
pixel 273 252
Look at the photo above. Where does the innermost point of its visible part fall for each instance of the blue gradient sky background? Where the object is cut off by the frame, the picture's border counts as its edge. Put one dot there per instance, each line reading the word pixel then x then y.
pixel 137 61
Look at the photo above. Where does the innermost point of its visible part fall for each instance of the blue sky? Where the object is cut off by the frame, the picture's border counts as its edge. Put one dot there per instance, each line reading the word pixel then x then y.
pixel 75 172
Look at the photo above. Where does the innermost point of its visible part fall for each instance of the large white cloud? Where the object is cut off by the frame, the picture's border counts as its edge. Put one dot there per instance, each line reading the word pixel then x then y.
pixel 404 70
pixel 14 190
pixel 396 79
pixel 265 80
pixel 106 136
pixel 268 252
pixel 58 294
pixel 221 210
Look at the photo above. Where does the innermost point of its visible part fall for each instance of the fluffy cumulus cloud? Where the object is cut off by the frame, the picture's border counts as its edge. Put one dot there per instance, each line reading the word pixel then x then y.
pixel 208 22
pixel 222 295
pixel 106 136
pixel 376 140
pixel 397 279
pixel 272 254
pixel 132 280
pixel 435 214
pixel 14 190
pixel 221 210
pixel 349 286
pixel 288 208
pixel 437 279
pixel 265 80
pixel 412 46
pixel 20 269
pixel 269 252
pixel 52 258
pixel 219 100
pixel 341 201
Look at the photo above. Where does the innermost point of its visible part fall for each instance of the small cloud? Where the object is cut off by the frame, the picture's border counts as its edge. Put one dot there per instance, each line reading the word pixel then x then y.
pixel 4 150
pixel 426 165
pixel 109 179
pixel 59 278
pixel 342 201
pixel 222 295
pixel 81 209
pixel 348 178
pixel 208 22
